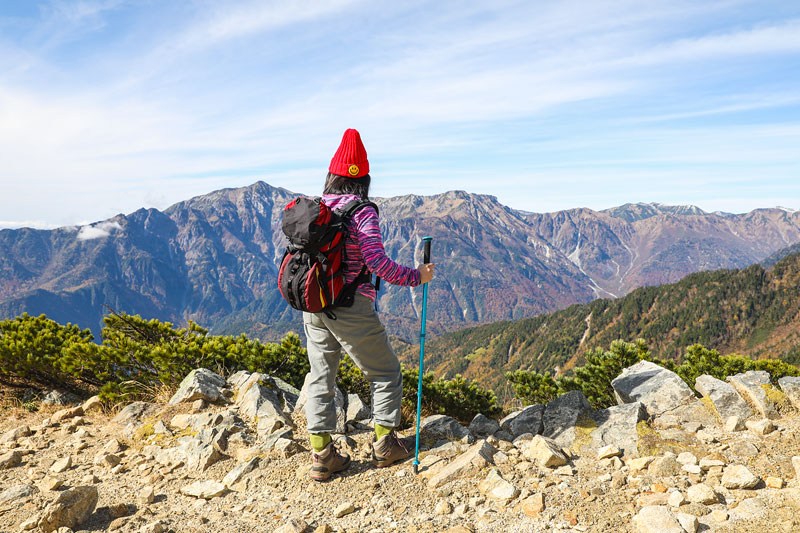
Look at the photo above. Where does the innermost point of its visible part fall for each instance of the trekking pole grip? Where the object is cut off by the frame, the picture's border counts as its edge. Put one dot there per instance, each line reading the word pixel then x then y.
pixel 426 255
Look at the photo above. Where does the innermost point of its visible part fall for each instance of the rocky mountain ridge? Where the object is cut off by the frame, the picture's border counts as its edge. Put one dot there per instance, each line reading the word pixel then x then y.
pixel 213 259
pixel 231 453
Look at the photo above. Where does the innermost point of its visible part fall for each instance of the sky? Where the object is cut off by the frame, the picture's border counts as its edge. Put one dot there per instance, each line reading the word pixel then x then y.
pixel 107 106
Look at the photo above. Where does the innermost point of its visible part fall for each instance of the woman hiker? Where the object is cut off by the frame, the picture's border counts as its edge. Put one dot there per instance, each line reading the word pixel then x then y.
pixel 357 329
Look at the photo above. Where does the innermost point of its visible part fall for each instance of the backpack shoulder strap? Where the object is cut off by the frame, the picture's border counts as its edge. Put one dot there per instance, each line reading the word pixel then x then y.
pixel 352 207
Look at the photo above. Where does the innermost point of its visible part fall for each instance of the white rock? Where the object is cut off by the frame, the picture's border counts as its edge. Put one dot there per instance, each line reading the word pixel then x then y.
pixel 760 427
pixel 739 477
pixel 702 493
pixel 734 423
pixel 443 508
pixel 692 469
pixel 676 499
pixel 688 522
pixel 205 489
pixel 656 519
pixel 608 451
pixel 497 488
pixel 63 464
pixel 545 452
pixel 344 509
pixel 686 458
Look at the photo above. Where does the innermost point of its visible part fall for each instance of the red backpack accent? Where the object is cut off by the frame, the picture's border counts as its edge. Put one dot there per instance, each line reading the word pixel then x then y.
pixel 311 275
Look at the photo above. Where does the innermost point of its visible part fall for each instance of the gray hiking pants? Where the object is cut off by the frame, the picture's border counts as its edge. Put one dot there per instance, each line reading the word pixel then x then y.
pixel 359 331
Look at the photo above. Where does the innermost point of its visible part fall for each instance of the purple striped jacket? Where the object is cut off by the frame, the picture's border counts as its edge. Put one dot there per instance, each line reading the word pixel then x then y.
pixel 364 246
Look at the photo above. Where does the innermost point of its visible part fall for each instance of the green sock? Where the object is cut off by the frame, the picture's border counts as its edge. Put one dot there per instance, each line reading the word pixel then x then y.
pixel 380 430
pixel 319 441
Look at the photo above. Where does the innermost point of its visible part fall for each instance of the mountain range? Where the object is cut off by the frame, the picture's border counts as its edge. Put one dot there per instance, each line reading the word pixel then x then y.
pixel 213 259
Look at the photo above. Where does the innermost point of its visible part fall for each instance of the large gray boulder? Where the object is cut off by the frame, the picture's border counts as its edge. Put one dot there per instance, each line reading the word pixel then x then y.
pixel 199 384
pixel 482 425
pixel 60 398
pixel 71 509
pixel 258 401
pixel 657 388
pixel 441 427
pixel 726 400
pixel 790 385
pixel 753 385
pixel 527 420
pixel 617 426
pixel 562 415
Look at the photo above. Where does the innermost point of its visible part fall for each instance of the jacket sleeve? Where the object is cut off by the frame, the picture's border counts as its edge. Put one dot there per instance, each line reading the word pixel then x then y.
pixel 374 255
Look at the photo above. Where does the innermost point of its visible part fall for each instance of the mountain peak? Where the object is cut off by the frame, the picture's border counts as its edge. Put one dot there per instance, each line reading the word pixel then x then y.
pixel 639 211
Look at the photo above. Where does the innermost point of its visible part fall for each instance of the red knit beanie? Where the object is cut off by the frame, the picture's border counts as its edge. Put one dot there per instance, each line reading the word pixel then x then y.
pixel 350 159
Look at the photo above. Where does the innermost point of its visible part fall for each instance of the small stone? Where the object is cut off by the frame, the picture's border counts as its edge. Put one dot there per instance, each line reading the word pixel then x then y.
pixel 146 496
pixel 719 515
pixel 533 505
pixel 692 469
pixel 707 463
pixel 107 459
pixel 70 509
pixel 118 523
pixel 686 458
pixel 205 489
pixel 114 446
pixel 656 519
pixel 155 527
pixel 92 403
pixel 118 510
pixel 198 405
pixel 640 463
pixel 66 414
pixel 702 493
pixel 545 452
pixel 609 451
pixel 29 524
pixel 344 509
pixel 774 482
pixel 443 508
pixel 739 477
pixel 324 528
pixel 688 522
pixel 62 465
pixel 664 466
pixel 658 487
pixel 52 483
pixel 497 488
pixel 90 479
pixel 675 499
pixel 796 465
pixel 295 525
pixel 734 423
pixel 764 426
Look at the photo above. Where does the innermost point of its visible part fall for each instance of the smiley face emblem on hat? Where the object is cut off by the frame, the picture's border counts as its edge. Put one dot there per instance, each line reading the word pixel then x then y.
pixel 353 170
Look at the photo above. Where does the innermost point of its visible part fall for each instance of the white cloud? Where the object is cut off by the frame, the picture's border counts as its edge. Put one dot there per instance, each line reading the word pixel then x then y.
pixel 35 224
pixel 97 231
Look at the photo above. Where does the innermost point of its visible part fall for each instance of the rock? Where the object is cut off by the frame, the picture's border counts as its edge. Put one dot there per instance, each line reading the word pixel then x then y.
pixel 237 379
pixel 675 499
pixel 443 508
pixel 527 420
pixel 92 403
pixel 726 401
pixel 710 462
pixel 55 397
pixel 10 459
pixel 608 451
pixel 114 446
pixel 258 401
pixel 205 489
pixel 108 460
pixel 441 427
pixel 15 434
pixel 476 457
pixel 533 505
pixel 760 427
pixel 497 488
pixel 52 483
pixel 344 509
pixel 749 509
pixel 199 384
pixel 269 425
pixel 790 385
pixel 118 510
pixel 719 515
pixel 324 528
pixel 640 463
pixel 562 415
pixel 753 386
pixel 61 465
pixel 198 405
pixel 617 426
pixel 66 414
pixel 734 423
pixel 745 449
pixel 287 447
pixel 70 509
pixel 17 493
pixel 199 455
pixel 239 471
pixel 483 426
pixel 357 410
pixel 774 482
pixel 30 523
pixel 664 466
pixel 132 415
pixel 545 452
pixel 739 477
pixel 146 495
pixel 154 527
pixel 294 525
pixel 796 465
pixel 657 388
pixel 656 519
pixel 688 522
pixel 702 493
pixel 686 458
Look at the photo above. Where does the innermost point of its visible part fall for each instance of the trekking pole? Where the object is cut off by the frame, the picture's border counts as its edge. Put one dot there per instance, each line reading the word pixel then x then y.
pixel 425 260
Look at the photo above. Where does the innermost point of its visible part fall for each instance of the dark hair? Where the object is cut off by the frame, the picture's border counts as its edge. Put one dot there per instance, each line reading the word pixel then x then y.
pixel 335 184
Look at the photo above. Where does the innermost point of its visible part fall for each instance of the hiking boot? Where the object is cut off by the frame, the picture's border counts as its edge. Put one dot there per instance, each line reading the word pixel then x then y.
pixel 391 448
pixel 327 462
